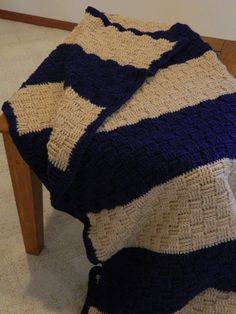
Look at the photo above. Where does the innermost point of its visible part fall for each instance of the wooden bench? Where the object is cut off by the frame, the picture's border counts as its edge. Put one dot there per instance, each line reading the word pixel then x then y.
pixel 27 187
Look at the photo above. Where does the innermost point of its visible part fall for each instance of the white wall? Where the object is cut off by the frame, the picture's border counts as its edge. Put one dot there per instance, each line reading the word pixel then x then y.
pixel 216 18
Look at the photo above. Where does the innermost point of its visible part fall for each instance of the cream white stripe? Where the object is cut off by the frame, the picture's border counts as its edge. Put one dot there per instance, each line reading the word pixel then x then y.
pixel 74 114
pixel 93 310
pixel 123 47
pixel 190 212
pixel 174 88
pixel 35 105
pixel 211 301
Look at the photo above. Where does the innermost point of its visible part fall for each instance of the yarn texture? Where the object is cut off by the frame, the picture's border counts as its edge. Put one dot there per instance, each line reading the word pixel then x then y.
pixel 131 126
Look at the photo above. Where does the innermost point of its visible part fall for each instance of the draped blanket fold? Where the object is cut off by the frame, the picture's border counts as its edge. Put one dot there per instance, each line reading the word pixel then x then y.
pixel 131 126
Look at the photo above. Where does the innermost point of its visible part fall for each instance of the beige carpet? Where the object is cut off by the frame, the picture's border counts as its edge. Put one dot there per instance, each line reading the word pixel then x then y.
pixel 55 281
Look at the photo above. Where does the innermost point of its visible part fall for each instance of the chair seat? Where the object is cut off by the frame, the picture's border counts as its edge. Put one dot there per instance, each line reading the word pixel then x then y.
pixel 3 124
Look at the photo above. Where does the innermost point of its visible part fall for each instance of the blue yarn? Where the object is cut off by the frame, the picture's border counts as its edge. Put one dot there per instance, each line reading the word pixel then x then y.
pixel 51 70
pixel 140 281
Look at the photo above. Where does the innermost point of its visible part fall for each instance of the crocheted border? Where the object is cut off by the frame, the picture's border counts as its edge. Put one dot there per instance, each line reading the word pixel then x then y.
pixel 166 34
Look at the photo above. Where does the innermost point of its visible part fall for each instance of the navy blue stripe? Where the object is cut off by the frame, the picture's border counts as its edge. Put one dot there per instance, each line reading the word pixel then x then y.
pixel 104 83
pixel 32 146
pixel 194 49
pixel 51 70
pixel 168 57
pixel 140 281
pixel 125 163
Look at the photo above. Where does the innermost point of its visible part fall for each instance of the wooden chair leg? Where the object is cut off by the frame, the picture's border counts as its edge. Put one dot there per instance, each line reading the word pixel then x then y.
pixel 28 195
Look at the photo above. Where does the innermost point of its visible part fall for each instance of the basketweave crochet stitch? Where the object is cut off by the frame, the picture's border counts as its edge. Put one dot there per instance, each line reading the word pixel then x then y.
pixel 131 126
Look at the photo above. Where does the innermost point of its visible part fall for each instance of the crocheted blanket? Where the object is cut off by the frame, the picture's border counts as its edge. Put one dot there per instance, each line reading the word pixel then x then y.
pixel 132 128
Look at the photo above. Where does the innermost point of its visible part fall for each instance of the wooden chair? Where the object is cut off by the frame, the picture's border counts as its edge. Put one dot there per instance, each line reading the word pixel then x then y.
pixel 28 194
pixel 27 187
